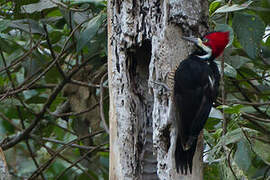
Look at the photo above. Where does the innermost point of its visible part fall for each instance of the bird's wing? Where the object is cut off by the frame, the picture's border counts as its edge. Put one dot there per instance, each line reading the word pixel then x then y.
pixel 193 108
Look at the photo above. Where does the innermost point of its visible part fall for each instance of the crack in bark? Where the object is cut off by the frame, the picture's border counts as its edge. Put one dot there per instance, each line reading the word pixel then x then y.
pixel 142 111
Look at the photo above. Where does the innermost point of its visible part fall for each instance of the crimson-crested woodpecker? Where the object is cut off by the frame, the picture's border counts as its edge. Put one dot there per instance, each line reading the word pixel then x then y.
pixel 196 83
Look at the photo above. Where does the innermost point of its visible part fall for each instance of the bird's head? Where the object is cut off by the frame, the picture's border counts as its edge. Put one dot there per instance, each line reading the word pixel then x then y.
pixel 212 44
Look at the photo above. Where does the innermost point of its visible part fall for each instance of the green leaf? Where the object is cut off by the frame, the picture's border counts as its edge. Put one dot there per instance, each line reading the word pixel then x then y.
pixel 242 155
pixel 29 94
pixel 237 61
pixel 212 171
pixel 90 31
pixel 26 24
pixel 11 102
pixel 218 133
pixel 213 6
pixel 97 2
pixel 38 7
pixel 208 137
pixel 224 28
pixel 264 13
pixel 52 76
pixel 6 127
pixel 104 161
pixel 215 113
pixel 233 136
pixel 36 100
pixel 55 36
pixel 229 71
pixel 4 24
pixel 6 46
pixel 235 7
pixel 249 30
pixel 262 149
pixel 233 109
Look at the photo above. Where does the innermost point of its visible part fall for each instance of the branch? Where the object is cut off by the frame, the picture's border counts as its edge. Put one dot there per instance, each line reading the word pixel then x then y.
pixel 47 68
pixel 80 159
pixel 22 57
pixel 222 84
pixel 246 115
pixel 8 143
pixel 66 7
pixel 80 83
pixel 71 145
pixel 75 113
pixel 229 162
pixel 101 111
pixel 249 103
pixel 45 165
pixel 51 152
pixel 51 49
pixel 247 98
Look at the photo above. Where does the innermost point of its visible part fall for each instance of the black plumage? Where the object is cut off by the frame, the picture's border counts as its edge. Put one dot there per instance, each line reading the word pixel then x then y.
pixel 196 83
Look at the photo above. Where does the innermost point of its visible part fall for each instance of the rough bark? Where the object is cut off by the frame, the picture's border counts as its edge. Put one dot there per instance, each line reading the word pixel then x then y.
pixel 4 174
pixel 144 46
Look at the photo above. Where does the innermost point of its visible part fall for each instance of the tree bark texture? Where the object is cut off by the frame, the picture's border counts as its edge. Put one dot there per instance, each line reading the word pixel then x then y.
pixel 144 45
pixel 4 174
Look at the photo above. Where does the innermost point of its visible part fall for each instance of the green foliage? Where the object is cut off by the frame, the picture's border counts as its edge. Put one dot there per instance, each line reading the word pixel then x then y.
pixel 38 7
pixel 40 40
pixel 90 31
pixel 262 150
pixel 242 152
pixel 249 30
pixel 34 33
pixel 233 7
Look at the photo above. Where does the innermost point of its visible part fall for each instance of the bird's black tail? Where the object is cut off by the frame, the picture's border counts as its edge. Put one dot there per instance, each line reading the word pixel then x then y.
pixel 183 159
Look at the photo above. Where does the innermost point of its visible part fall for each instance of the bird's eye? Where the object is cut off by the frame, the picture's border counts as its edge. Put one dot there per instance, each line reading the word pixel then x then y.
pixel 205 40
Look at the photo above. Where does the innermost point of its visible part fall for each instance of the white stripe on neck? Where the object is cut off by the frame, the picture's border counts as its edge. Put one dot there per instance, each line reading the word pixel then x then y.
pixel 208 52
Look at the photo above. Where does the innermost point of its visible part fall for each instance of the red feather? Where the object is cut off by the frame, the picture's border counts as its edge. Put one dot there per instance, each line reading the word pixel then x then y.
pixel 217 41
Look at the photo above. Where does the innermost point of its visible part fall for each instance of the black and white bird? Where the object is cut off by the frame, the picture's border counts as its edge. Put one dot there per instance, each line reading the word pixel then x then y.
pixel 196 84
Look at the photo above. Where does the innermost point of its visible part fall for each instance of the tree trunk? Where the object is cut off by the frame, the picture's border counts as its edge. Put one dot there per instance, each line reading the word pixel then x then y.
pixel 144 45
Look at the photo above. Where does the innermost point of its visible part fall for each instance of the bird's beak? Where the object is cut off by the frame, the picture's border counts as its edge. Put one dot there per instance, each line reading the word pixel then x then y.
pixel 191 39
pixel 196 41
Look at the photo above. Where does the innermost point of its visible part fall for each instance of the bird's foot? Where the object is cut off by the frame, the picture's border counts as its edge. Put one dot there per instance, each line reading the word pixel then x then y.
pixel 164 85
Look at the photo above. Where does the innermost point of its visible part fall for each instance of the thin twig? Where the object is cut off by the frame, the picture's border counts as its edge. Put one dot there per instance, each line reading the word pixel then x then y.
pixel 266 172
pixel 13 83
pixel 46 164
pixel 63 128
pixel 80 159
pixel 73 81
pixel 261 139
pixel 229 162
pixel 75 113
pixel 22 57
pixel 247 98
pixel 222 84
pixel 71 145
pixel 246 115
pixel 13 141
pixel 10 121
pixel 51 152
pixel 27 142
pixel 51 49
pixel 101 110
pixel 259 126
pixel 51 64
pixel 248 103
pixel 72 9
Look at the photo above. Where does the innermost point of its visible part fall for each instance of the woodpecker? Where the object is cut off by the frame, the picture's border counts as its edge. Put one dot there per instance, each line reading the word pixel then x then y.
pixel 196 83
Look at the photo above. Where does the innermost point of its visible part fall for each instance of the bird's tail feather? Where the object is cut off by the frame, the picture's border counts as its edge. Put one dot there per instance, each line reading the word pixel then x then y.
pixel 183 158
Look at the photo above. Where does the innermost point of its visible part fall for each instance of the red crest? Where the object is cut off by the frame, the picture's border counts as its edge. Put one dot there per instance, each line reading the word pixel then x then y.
pixel 217 41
